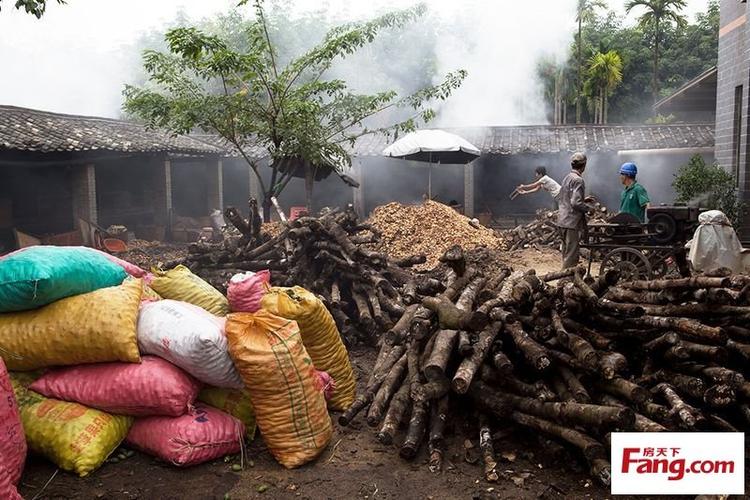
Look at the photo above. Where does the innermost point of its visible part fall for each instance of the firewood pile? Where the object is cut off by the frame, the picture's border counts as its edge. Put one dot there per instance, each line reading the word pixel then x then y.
pixel 543 231
pixel 429 228
pixel 574 361
pixel 329 255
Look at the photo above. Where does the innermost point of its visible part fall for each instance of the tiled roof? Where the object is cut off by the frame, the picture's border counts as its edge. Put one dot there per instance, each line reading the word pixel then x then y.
pixel 23 129
pixel 569 138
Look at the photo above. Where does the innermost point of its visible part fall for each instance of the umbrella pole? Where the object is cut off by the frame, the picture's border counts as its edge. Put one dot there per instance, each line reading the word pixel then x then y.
pixel 429 182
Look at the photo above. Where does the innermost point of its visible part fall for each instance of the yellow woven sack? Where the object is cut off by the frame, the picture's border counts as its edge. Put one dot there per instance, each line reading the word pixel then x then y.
pixel 320 336
pixel 236 403
pixel 280 378
pixel 76 438
pixel 93 327
pixel 148 292
pixel 180 284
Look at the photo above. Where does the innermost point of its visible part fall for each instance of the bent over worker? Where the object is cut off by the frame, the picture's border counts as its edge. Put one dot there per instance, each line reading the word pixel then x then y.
pixel 571 217
pixel 634 199
pixel 542 181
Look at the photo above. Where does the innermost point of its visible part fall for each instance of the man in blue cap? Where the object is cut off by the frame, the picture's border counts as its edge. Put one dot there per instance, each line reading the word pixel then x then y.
pixel 634 200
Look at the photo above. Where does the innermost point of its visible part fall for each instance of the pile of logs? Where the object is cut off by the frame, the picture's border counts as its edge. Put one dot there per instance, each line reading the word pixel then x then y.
pixel 575 361
pixel 543 231
pixel 329 255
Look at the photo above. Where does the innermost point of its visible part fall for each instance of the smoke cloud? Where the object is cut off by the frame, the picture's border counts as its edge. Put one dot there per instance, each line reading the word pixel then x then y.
pixel 78 56
pixel 500 43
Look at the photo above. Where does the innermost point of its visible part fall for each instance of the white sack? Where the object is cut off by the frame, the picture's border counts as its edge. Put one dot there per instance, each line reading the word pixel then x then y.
pixel 190 338
pixel 715 244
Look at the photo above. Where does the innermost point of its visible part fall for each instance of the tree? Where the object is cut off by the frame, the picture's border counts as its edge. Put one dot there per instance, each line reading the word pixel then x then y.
pixel 604 75
pixel 250 97
pixel 35 7
pixel 659 14
pixel 708 186
pixel 585 13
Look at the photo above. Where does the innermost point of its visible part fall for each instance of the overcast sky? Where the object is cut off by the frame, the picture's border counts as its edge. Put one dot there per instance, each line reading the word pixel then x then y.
pixel 76 58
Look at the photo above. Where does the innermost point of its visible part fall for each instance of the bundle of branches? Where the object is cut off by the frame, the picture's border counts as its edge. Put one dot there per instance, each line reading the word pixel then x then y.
pixel 574 361
pixel 328 255
pixel 543 232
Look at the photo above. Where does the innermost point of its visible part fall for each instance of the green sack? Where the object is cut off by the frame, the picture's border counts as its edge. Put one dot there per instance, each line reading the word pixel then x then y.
pixel 37 276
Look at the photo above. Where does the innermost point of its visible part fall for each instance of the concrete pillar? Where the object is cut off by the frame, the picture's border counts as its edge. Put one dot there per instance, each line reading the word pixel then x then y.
pixel 84 194
pixel 359 193
pixel 163 193
pixel 215 186
pixel 469 190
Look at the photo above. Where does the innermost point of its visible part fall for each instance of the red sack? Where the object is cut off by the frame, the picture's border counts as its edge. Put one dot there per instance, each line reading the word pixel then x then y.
pixel 152 387
pixel 7 488
pixel 12 438
pixel 245 290
pixel 192 439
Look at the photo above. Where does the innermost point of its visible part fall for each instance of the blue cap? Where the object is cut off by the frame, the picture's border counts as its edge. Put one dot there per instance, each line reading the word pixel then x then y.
pixel 629 169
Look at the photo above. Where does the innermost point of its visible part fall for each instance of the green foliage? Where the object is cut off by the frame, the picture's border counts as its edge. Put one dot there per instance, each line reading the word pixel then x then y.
pixel 686 51
pixel 709 186
pixel 252 92
pixel 34 7
pixel 658 12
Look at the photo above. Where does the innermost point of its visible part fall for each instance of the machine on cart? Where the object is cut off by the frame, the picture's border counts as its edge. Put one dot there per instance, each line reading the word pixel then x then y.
pixel 643 251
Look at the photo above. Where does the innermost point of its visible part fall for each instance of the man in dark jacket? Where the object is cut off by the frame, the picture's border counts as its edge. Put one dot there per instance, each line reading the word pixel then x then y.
pixel 571 217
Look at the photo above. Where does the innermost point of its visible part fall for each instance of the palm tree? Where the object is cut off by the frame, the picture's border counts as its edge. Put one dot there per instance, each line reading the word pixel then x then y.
pixel 585 13
pixel 604 75
pixel 658 13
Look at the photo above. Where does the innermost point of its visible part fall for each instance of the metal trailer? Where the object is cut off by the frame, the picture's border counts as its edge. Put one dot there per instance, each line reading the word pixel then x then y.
pixel 643 250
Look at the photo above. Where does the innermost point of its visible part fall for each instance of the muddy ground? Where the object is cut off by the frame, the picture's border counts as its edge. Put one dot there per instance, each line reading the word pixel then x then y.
pixel 354 466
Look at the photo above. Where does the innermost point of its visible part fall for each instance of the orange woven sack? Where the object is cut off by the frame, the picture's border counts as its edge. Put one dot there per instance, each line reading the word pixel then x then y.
pixel 279 376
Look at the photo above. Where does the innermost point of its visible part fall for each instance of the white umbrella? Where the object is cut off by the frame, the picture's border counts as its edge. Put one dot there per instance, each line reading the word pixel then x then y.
pixel 433 146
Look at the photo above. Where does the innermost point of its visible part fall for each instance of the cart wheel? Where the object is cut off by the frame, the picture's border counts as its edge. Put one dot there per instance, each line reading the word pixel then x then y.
pixel 631 263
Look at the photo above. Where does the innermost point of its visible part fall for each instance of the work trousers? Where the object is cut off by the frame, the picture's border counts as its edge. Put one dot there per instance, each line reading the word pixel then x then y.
pixel 571 248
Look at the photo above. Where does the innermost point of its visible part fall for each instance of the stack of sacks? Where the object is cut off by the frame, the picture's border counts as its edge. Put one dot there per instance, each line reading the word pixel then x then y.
pixel 180 284
pixel 12 440
pixel 69 308
pixel 280 378
pixel 66 306
pixel 320 336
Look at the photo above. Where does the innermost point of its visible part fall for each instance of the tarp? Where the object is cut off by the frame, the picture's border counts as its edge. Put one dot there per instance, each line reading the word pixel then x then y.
pixel 715 244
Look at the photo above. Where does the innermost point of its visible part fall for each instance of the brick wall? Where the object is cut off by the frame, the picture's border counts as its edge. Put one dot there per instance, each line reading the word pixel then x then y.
pixel 733 70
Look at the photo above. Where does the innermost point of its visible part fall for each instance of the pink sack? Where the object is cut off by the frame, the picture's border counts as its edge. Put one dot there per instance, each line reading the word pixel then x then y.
pixel 129 268
pixel 12 438
pixel 7 488
pixel 246 290
pixel 152 387
pixel 325 383
pixel 192 439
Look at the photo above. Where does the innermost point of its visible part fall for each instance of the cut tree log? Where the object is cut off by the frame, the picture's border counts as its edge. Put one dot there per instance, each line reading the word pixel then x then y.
pixel 469 366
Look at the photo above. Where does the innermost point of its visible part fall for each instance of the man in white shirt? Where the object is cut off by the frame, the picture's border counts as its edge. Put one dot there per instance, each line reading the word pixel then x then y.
pixel 543 181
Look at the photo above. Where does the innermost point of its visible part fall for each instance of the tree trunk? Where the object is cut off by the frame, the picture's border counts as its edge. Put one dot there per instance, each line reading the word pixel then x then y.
pixel 655 80
pixel 606 106
pixel 309 182
pixel 579 90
